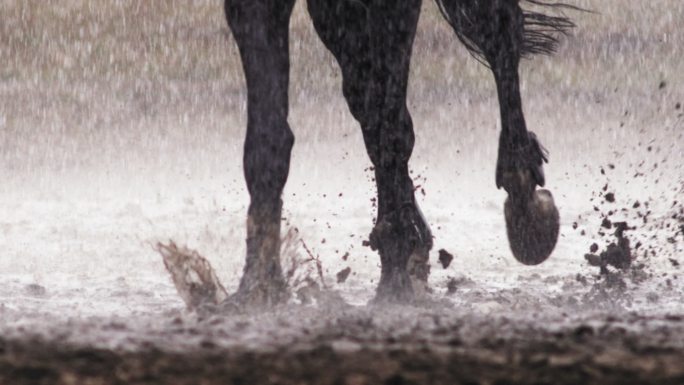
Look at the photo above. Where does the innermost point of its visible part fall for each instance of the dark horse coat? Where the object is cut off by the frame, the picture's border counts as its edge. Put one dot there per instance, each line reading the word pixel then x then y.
pixel 372 41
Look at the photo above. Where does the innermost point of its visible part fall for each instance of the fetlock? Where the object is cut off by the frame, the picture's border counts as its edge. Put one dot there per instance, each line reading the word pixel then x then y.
pixel 407 222
pixel 403 240
pixel 519 170
pixel 262 282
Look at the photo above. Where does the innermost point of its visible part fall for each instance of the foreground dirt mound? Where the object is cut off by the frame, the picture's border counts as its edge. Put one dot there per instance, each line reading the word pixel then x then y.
pixel 358 348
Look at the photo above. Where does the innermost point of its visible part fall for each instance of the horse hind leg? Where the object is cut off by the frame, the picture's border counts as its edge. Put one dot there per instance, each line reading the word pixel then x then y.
pixel 499 33
pixel 373 50
pixel 260 28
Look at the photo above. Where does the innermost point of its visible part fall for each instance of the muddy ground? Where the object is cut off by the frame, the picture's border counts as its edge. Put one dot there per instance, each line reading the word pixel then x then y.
pixel 369 346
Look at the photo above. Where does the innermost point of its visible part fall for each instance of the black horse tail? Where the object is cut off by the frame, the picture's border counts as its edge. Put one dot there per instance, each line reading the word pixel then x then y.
pixel 542 30
pixel 537 32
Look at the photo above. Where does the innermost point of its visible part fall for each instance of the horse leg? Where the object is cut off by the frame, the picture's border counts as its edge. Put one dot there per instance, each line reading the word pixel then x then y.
pixel 260 28
pixel 372 44
pixel 496 32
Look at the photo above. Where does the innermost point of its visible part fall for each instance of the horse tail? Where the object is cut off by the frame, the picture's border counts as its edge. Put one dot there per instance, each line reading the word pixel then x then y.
pixel 538 31
pixel 541 30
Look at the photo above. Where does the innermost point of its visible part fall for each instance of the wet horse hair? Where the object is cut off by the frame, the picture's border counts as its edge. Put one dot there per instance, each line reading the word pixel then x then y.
pixel 539 33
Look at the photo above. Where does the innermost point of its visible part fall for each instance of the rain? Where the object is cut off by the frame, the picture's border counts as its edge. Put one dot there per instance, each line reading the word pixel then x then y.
pixel 122 125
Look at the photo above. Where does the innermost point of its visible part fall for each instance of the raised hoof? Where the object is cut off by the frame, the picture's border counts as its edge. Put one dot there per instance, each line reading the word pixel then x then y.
pixel 532 227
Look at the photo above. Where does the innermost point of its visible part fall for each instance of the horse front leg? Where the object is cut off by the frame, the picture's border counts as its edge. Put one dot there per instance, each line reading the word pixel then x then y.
pixel 260 28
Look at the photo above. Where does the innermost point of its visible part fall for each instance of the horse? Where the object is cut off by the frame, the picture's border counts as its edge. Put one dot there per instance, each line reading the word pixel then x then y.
pixel 371 40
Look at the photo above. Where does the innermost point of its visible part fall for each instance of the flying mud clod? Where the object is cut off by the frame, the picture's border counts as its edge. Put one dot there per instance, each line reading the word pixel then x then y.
pixel 343 274
pixel 445 258
pixel 618 255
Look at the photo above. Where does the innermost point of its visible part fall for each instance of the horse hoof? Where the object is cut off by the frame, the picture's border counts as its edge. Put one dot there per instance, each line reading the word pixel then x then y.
pixel 532 227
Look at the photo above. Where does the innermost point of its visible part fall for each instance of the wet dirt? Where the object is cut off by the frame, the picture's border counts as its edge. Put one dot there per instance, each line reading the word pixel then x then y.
pixel 445 258
pixel 637 236
pixel 618 255
pixel 402 345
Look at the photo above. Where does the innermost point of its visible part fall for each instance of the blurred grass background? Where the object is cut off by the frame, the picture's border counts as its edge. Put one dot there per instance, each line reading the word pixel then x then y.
pixel 86 83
